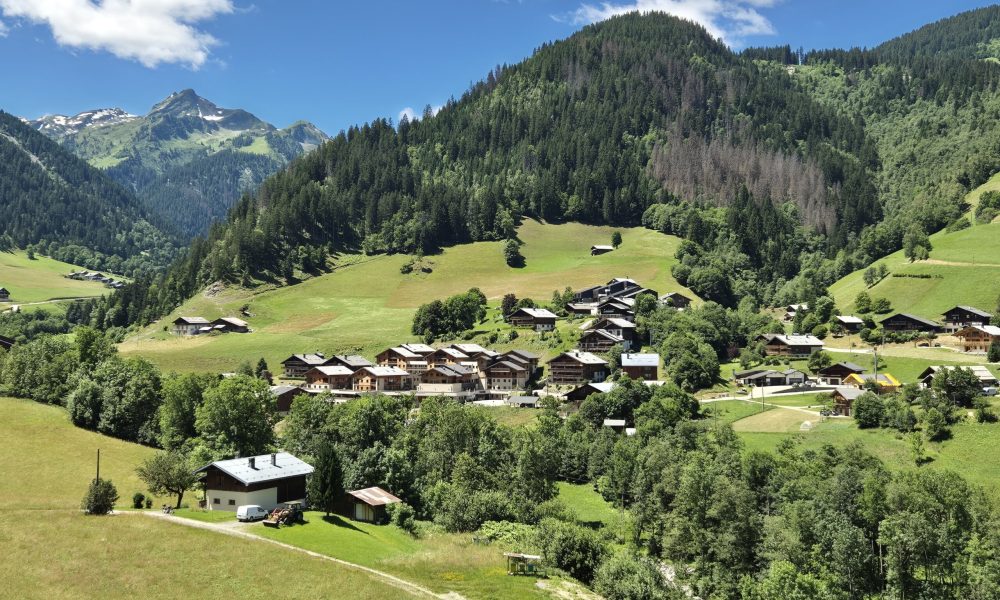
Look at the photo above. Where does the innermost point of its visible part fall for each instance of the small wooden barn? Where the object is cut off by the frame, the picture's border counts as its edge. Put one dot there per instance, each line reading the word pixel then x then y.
pixel 369 504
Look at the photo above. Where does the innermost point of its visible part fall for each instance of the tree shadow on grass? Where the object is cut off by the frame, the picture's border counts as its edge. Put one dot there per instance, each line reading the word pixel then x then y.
pixel 341 522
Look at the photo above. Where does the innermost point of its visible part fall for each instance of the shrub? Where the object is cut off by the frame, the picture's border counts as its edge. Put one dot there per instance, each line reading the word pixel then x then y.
pixel 149 503
pixel 572 548
pixel 100 497
pixel 138 499
pixel 509 535
pixel 993 355
pixel 626 576
pixel 402 515
pixel 868 410
pixel 935 425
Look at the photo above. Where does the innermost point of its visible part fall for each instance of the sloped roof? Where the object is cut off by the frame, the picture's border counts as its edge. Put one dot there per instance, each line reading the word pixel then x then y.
pixel 352 360
pixel 278 390
pixel 233 321
pixel 452 352
pixel 844 365
pixel 973 310
pixel 538 313
pixel 192 320
pixel 374 496
pixel 383 371
pixel 602 247
pixel 469 348
pixel 793 340
pixel 603 333
pixel 513 366
pixel 913 318
pixel 582 357
pixel 419 348
pixel 523 354
pixel 982 373
pixel 604 322
pixel 614 422
pixel 333 370
pixel 264 469
pixel 402 351
pixel 310 359
pixel 883 379
pixel 850 319
pixel 640 360
pixel 849 393
pixel 990 330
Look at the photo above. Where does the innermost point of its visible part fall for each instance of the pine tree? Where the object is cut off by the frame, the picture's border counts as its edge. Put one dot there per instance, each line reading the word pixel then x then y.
pixel 326 487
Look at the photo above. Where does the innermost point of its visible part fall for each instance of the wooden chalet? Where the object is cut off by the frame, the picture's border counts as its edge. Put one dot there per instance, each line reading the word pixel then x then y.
pixel 296 365
pixel 581 308
pixel 448 379
pixel 794 309
pixel 843 400
pixel 6 343
pixel 905 322
pixel 368 505
pixel 961 317
pixel 599 340
pixel 622 328
pixel 284 395
pixel 985 377
pixel 849 323
pixel 581 393
pixel 676 300
pixel 381 379
pixel 769 377
pixel 523 401
pixel 329 377
pixel 792 346
pixel 474 351
pixel 978 338
pixel 4 294
pixel 641 366
pixel 836 374
pixel 600 249
pixel 885 383
pixel 446 356
pixel 267 481
pixel 621 308
pixel 528 358
pixel 577 367
pixel 402 357
pixel 538 319
pixel 505 374
pixel 351 361
pixel 231 325
pixel 190 325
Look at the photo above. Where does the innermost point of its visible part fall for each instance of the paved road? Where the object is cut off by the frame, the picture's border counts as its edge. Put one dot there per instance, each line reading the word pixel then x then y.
pixel 237 529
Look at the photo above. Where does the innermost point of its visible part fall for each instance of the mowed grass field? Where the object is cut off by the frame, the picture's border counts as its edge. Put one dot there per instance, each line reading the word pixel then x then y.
pixel 48 462
pixel 964 268
pixel 41 279
pixel 366 304
pixel 64 554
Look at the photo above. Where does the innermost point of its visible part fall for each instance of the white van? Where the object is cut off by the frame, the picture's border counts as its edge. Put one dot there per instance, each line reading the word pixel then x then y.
pixel 250 512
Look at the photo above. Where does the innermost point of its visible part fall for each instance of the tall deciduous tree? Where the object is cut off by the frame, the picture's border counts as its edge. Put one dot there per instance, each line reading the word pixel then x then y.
pixel 237 418
pixel 167 473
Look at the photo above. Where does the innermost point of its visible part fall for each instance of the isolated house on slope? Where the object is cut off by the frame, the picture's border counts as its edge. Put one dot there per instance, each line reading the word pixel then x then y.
pixel 190 325
pixel 266 480
pixel 538 319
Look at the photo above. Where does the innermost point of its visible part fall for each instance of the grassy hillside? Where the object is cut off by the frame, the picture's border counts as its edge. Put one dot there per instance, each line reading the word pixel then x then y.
pixel 50 462
pixel 367 304
pixel 42 279
pixel 964 268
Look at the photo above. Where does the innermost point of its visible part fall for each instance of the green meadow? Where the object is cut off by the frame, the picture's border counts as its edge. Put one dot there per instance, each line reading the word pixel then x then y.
pixel 41 279
pixel 367 304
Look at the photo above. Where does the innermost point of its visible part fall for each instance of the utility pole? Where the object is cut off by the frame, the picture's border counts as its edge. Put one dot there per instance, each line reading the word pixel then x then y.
pixel 98 465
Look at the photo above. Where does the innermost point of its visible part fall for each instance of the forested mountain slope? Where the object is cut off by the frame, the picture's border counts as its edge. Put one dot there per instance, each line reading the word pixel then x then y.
pixel 187 159
pixel 72 211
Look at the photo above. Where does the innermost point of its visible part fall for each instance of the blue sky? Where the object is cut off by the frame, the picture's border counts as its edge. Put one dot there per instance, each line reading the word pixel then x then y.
pixel 343 63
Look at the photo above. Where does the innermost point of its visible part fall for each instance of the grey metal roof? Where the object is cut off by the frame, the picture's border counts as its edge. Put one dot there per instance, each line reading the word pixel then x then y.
pixel 330 370
pixel 278 390
pixel 614 422
pixel 265 469
pixel 974 310
pixel 192 320
pixel 352 360
pixel 538 313
pixel 384 371
pixel 582 357
pixel 309 359
pixel 913 318
pixel 640 360
pixel 850 393
pixel 233 321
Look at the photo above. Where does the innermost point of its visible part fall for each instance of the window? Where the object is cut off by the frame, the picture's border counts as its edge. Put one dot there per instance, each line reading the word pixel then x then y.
pixel 232 502
pixel 215 500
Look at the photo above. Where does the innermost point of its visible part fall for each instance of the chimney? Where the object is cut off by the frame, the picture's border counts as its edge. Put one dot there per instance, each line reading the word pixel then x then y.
pixel 251 461
pixel 274 459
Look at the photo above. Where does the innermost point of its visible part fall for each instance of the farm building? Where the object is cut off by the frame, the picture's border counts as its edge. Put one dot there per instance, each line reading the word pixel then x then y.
pixel 190 325
pixel 329 377
pixel 284 395
pixel 978 338
pixel 267 480
pixel 676 300
pixel 523 401
pixel 909 323
pixel 641 366
pixel 600 249
pixel 381 379
pixel 843 400
pixel 837 373
pixel 4 294
pixel 231 325
pixel 794 309
pixel 986 378
pixel 538 319
pixel 961 317
pixel 887 384
pixel 599 340
pixel 576 366
pixel 796 346
pixel 297 364
pixel 368 505
pixel 849 323
pixel 582 392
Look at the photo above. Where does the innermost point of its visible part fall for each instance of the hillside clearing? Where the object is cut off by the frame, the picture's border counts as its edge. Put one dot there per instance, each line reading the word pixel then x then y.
pixel 41 279
pixel 368 304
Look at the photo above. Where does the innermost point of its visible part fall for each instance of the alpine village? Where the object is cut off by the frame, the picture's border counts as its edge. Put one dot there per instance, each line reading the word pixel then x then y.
pixel 652 313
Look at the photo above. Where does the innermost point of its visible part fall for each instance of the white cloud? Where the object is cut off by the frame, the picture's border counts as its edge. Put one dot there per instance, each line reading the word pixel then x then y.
pixel 3 29
pixel 148 31
pixel 412 115
pixel 730 20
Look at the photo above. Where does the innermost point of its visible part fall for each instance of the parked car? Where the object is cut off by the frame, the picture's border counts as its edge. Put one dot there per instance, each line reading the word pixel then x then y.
pixel 250 512
pixel 990 391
